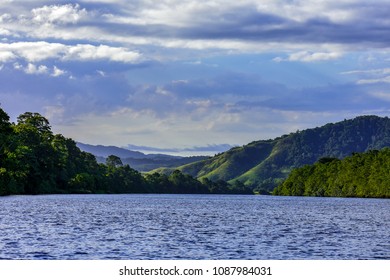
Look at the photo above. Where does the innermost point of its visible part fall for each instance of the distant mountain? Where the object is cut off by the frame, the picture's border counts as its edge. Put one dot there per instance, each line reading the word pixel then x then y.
pixel 137 160
pixel 152 163
pixel 264 164
pixel 105 151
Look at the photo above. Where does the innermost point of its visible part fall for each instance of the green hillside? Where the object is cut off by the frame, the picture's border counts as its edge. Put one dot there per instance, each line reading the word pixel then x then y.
pixel 264 164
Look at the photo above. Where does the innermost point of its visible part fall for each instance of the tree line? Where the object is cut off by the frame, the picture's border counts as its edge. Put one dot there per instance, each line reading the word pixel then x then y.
pixel 34 160
pixel 359 175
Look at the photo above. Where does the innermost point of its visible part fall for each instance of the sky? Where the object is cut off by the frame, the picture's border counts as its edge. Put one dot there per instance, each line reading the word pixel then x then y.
pixel 193 77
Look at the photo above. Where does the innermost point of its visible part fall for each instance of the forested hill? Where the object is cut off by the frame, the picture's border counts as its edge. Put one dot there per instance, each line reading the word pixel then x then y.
pixel 360 175
pixel 33 160
pixel 263 165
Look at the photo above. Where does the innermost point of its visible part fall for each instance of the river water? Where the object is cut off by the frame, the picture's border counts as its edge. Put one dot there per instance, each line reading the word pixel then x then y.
pixel 193 227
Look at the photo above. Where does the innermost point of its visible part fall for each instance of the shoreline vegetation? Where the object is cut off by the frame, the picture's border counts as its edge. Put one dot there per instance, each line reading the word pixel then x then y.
pixel 33 160
pixel 364 175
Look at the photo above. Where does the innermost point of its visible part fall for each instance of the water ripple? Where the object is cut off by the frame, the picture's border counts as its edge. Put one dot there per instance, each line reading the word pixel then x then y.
pixel 192 227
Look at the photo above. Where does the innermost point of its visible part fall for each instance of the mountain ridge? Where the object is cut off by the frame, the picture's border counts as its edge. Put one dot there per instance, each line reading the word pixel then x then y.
pixel 264 164
pixel 137 160
pixel 105 151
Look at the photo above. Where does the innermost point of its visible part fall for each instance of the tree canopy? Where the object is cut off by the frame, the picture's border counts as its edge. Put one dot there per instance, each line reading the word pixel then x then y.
pixel 359 175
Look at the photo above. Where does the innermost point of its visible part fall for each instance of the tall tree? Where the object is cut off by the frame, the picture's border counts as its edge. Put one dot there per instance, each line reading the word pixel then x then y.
pixel 114 161
pixel 35 152
pixel 37 121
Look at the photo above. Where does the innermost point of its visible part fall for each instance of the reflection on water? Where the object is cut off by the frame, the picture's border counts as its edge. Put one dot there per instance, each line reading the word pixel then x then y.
pixel 193 227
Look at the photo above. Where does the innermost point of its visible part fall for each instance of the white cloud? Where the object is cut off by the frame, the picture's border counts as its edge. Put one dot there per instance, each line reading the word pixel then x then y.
pixel 33 69
pixel 39 51
pixel 54 112
pixel 58 14
pixel 33 51
pixel 6 56
pixel 4 32
pixel 223 25
pixel 302 10
pixel 18 66
pixel 370 76
pixel 101 73
pixel 90 52
pixel 5 18
pixel 374 81
pixel 307 56
pixel 381 71
pixel 174 13
pixel 187 13
pixel 57 72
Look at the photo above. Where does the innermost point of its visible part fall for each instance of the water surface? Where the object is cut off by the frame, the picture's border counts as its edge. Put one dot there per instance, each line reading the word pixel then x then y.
pixel 193 227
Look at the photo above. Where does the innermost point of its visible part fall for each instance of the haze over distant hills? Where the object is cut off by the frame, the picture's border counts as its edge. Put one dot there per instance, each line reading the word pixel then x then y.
pixel 137 160
pixel 264 164
pixel 105 151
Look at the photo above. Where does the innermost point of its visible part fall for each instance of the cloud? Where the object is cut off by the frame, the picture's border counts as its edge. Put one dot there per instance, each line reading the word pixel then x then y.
pixel 32 69
pixel 370 76
pixel 307 56
pixel 374 81
pixel 248 22
pixel 245 26
pixel 83 94
pixel 4 32
pixel 367 72
pixel 5 18
pixel 90 52
pixel 6 56
pixel 224 102
pixel 62 14
pixel 120 71
pixel 33 51
pixel 198 98
pixel 173 115
pixel 58 72
pixel 382 95
pixel 39 51
pixel 211 148
pixel 101 73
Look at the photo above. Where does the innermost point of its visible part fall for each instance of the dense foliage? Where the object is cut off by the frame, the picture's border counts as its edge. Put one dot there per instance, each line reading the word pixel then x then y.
pixel 33 160
pixel 360 175
pixel 262 165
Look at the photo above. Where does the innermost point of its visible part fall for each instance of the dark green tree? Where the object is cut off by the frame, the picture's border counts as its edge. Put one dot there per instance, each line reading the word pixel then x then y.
pixel 113 161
